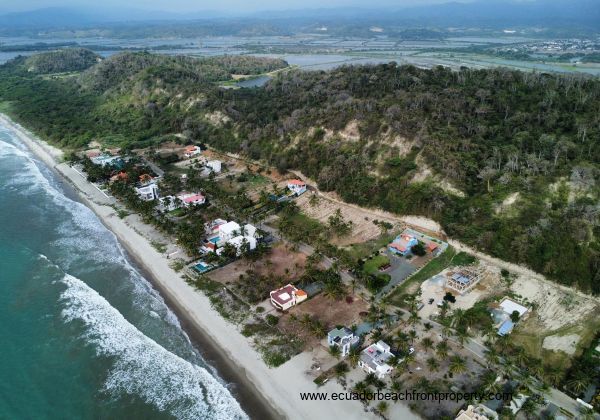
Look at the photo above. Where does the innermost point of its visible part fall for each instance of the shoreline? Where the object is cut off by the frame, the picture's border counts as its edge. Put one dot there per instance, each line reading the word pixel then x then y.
pixel 242 389
pixel 274 392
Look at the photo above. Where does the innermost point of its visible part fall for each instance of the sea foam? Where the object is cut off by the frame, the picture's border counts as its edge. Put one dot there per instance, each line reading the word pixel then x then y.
pixel 141 366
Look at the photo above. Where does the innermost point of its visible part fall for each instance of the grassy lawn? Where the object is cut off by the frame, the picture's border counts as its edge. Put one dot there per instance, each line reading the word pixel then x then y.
pixel 300 228
pixel 462 258
pixel 177 212
pixel 372 265
pixel 432 268
pixel 365 249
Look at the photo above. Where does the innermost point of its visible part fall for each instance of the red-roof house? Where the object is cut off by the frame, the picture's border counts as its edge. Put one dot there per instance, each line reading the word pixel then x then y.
pixel 287 296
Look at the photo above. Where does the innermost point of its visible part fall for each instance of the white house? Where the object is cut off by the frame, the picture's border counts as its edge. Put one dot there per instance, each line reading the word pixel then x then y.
pixel 168 203
pixel 238 243
pixel 190 199
pixel 296 186
pixel 343 338
pixel 214 166
pixel 213 227
pixel 373 359
pixel 107 160
pixel 287 296
pixel 191 151
pixel 249 230
pixel 148 192
pixel 229 231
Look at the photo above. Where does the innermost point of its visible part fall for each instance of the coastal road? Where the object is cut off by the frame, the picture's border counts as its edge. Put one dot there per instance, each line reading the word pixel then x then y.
pixel 155 168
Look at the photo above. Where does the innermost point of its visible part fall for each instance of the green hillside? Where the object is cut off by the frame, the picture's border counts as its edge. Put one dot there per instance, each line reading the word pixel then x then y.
pixel 61 61
pixel 506 161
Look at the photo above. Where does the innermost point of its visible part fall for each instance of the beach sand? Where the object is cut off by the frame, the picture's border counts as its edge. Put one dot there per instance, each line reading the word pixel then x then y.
pixel 277 390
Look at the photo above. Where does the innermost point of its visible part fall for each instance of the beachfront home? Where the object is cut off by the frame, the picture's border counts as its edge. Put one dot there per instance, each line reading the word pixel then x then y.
pixel 191 151
pixel 229 231
pixel 168 203
pixel 121 176
pixel 238 242
pixel 374 359
pixel 212 227
pixel 402 244
pixel 108 160
pixel 287 296
pixel 296 186
pixel 477 412
pixel 145 179
pixel 148 192
pixel 191 199
pixel 249 230
pixel 343 338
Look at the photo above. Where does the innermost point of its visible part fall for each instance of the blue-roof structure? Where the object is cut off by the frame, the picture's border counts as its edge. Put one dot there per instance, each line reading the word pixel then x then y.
pixel 460 278
pixel 506 327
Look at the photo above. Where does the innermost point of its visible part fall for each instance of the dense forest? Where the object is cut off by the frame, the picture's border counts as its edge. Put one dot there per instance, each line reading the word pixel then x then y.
pixel 61 61
pixel 506 161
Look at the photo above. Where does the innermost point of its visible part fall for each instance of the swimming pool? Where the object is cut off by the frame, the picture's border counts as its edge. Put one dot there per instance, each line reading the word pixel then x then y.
pixel 215 240
pixel 202 267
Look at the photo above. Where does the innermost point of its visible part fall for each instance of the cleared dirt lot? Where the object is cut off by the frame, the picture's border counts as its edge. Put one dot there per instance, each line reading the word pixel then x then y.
pixel 329 312
pixel 279 262
pixel 363 228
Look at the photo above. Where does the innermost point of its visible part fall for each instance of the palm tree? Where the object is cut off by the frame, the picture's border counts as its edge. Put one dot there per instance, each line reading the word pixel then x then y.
pixel 370 379
pixel 427 343
pixel 462 335
pixel 396 386
pixel 529 408
pixel 491 355
pixel 457 365
pixel 442 349
pixel 409 358
pixel 377 334
pixel 353 357
pixel 382 407
pixel 412 334
pixel 341 369
pixel 446 329
pixel 361 387
pixel 578 383
pixel 414 319
pixel 401 340
pixel 433 364
pixel 520 356
pixel 335 351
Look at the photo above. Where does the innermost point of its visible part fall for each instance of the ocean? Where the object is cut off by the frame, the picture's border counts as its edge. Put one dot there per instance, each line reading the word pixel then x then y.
pixel 82 333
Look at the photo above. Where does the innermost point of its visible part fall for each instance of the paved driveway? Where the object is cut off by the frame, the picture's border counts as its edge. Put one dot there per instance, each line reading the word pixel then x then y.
pixel 400 269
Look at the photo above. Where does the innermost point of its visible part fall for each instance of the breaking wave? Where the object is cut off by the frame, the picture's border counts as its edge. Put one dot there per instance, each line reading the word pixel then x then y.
pixel 141 366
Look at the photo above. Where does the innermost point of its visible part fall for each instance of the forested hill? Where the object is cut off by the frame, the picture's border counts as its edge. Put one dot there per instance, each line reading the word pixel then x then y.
pixel 506 161
pixel 61 61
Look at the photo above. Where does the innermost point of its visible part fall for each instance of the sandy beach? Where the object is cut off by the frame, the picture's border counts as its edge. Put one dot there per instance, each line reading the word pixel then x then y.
pixel 276 390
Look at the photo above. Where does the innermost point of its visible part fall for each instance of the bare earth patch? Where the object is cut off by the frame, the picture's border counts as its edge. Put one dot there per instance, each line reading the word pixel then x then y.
pixel 565 343
pixel 279 262
pixel 329 312
pixel 558 307
pixel 363 228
